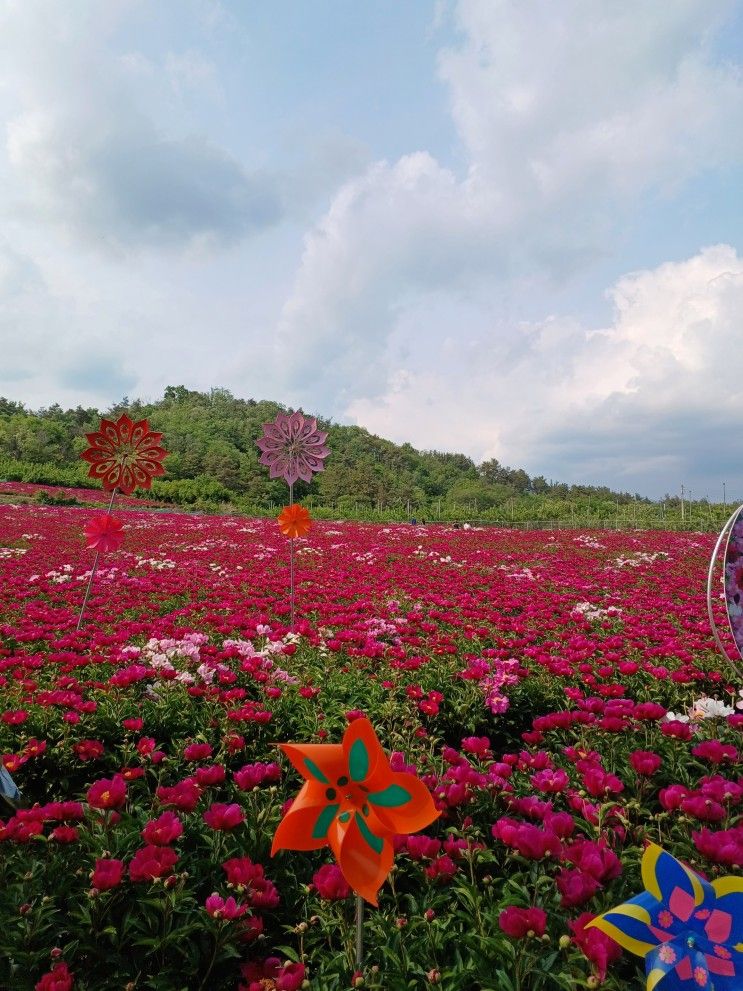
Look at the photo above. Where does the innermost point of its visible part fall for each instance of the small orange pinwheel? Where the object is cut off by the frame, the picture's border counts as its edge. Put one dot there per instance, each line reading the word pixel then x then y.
pixel 294 521
pixel 353 802
pixel 125 454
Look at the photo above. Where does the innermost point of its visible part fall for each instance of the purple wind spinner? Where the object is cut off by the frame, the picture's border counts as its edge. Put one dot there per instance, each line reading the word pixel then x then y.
pixel 293 448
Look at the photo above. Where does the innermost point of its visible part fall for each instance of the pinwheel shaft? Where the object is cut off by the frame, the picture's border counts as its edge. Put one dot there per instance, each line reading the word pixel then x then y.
pixel 359 931
pixel 92 574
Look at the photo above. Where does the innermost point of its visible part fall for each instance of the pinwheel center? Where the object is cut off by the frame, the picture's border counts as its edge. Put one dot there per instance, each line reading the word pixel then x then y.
pixel 350 796
pixel 125 454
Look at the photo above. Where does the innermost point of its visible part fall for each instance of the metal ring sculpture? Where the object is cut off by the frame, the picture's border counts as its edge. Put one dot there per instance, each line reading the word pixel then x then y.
pixel 730 533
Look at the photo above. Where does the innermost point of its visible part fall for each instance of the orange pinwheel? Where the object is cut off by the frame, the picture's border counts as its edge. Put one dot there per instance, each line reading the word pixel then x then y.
pixel 353 802
pixel 294 521
pixel 124 455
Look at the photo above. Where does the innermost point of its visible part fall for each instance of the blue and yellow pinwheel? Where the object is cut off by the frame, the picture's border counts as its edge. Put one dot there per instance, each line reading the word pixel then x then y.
pixel 689 931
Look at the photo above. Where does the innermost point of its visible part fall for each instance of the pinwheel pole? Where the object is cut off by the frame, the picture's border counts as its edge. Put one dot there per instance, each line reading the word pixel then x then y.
pixel 123 455
pixel 374 804
pixel 359 930
pixel 293 447
pixel 92 573
pixel 291 564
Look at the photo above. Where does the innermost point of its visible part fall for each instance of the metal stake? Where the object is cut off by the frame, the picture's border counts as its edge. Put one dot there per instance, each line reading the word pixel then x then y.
pixel 92 573
pixel 291 565
pixel 359 931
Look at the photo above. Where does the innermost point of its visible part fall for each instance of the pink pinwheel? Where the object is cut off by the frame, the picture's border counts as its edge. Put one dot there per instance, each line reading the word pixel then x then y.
pixel 293 447
pixel 103 533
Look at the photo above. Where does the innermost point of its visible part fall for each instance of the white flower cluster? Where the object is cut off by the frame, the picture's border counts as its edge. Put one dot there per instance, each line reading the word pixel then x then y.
pixel 159 564
pixel 641 557
pixel 703 708
pixel 592 612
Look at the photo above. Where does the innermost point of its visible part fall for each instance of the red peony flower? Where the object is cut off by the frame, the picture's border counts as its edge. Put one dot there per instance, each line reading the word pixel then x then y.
pixel 151 862
pixel 104 533
pixel 107 874
pixel 197 751
pixel 221 908
pixel 164 830
pixel 183 796
pixel 64 834
pixel 244 875
pixel 107 793
pixel 213 774
pixel 519 922
pixel 224 817
pixel 599 948
pixel 58 978
pixel 715 752
pixel 645 762
pixel 330 883
pixel 272 973
pixel 576 887
pixel 124 455
pixel 88 749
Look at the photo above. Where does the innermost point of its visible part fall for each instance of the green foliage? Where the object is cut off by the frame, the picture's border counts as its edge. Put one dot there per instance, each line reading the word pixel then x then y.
pixel 214 460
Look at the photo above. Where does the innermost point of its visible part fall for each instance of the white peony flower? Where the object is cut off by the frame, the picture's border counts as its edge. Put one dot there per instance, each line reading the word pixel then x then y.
pixel 707 708
pixel 675 717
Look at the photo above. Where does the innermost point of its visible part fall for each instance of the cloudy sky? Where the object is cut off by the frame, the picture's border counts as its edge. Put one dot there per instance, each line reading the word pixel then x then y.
pixel 512 228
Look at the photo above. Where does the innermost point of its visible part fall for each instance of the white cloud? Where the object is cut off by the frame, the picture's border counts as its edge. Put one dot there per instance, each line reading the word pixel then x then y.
pixel 654 396
pixel 568 112
pixel 85 151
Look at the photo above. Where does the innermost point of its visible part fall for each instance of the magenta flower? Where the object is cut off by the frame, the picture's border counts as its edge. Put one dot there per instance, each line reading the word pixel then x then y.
pixel 224 908
pixel 292 447
pixel 223 817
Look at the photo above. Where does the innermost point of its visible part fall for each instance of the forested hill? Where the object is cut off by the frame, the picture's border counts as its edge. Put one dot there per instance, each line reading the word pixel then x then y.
pixel 211 437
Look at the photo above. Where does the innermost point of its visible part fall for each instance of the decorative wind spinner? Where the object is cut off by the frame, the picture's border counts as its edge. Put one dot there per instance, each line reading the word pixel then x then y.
pixel 292 447
pixel 731 539
pixel 124 455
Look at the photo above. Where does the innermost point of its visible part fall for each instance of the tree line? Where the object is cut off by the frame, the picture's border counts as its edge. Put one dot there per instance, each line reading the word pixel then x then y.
pixel 214 459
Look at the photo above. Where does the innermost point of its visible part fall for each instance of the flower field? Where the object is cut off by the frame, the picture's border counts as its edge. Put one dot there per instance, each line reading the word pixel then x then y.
pixel 552 691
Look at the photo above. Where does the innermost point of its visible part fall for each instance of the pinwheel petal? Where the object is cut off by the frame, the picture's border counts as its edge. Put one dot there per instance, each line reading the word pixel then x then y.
pixel 729 892
pixel 304 827
pixel 405 805
pixel 630 925
pixel 671 882
pixel 366 761
pixel 364 857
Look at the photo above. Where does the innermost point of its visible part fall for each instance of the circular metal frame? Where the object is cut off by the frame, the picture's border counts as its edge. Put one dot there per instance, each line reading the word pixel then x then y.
pixel 725 535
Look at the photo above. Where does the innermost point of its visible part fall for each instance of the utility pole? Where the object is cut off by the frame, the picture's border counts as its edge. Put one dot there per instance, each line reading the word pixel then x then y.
pixel 724 498
pixel 682 502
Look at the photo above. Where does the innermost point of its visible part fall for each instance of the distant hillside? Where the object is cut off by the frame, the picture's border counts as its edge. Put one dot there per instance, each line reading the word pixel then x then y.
pixel 214 459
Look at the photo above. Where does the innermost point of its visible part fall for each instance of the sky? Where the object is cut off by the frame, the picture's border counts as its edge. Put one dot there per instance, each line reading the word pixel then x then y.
pixel 509 228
